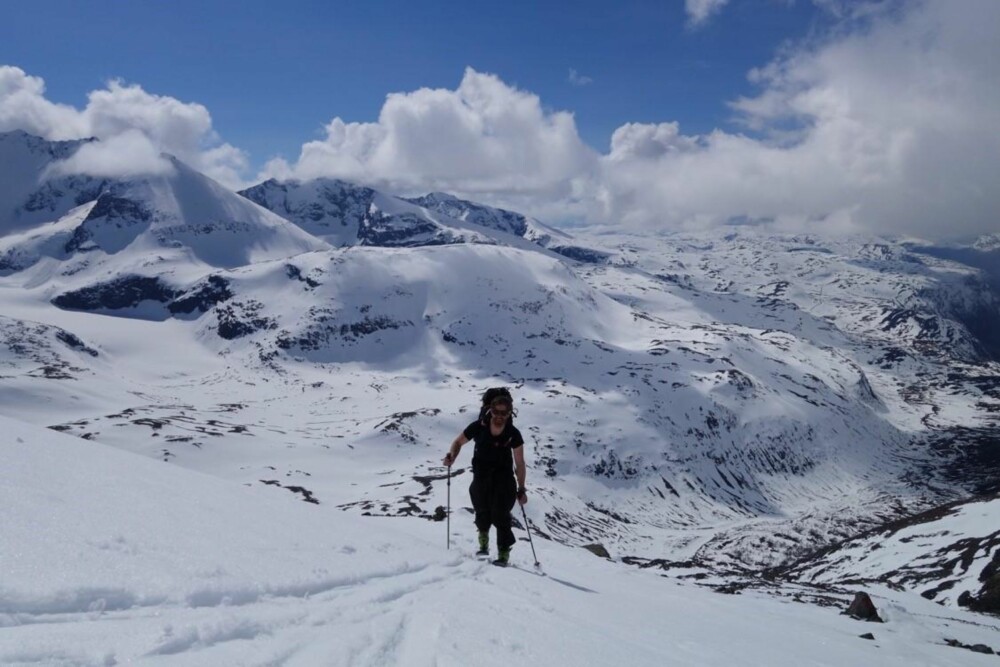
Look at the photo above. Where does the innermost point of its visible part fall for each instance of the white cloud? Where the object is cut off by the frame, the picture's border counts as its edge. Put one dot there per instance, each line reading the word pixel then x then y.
pixel 699 11
pixel 484 137
pixel 890 125
pixel 129 153
pixel 133 125
pixel 578 79
pixel 647 141
pixel 23 107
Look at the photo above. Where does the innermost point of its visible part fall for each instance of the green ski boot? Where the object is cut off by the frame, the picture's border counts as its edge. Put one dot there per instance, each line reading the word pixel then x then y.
pixel 503 559
pixel 484 544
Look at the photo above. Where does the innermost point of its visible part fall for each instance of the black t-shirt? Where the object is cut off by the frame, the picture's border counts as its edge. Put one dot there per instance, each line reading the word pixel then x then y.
pixel 493 453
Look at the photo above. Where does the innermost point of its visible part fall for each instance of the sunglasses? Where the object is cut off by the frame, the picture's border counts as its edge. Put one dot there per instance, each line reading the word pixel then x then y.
pixel 500 413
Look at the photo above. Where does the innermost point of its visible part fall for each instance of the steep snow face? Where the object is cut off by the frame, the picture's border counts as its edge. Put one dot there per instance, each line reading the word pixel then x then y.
pixel 345 215
pixel 183 218
pixel 511 223
pixel 220 228
pixel 329 209
pixel 27 198
pixel 485 216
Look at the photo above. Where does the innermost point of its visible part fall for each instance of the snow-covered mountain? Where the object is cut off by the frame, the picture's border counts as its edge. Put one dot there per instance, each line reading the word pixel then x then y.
pixel 26 197
pixel 947 554
pixel 512 223
pixel 706 405
pixel 182 217
pixel 345 214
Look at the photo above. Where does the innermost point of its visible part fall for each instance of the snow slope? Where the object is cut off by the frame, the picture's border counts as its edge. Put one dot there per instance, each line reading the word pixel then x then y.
pixel 180 218
pixel 26 197
pixel 705 406
pixel 948 554
pixel 345 215
pixel 117 559
pixel 650 435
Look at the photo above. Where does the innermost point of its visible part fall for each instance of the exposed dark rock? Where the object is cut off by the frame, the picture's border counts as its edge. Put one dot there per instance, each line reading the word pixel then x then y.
pixel 75 343
pixel 613 467
pixel 863 609
pixel 493 218
pixel 124 292
pixel 339 204
pixel 988 599
pixel 320 336
pixel 867 635
pixel 306 494
pixel 109 209
pixel 401 230
pixel 202 297
pixel 975 648
pixel 241 318
pixel 597 550
pixel 579 254
pixel 295 273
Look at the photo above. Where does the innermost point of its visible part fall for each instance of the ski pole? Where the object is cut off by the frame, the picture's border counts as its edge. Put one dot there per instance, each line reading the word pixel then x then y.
pixel 530 541
pixel 448 511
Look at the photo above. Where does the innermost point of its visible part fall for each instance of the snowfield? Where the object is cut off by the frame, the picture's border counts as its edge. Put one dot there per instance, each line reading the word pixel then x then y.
pixel 112 558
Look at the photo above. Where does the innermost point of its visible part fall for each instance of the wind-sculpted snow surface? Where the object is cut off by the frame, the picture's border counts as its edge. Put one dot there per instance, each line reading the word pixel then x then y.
pixel 116 559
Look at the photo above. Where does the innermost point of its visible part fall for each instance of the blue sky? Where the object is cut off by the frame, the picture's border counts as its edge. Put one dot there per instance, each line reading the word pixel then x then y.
pixel 830 116
pixel 272 74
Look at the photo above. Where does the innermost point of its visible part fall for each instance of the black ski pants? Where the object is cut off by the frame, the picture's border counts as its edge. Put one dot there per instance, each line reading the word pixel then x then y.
pixel 493 496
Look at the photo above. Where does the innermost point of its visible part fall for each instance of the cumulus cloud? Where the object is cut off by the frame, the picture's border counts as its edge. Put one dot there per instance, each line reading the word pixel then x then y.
pixel 646 141
pixel 23 107
pixel 483 137
pixel 134 128
pixel 889 126
pixel 699 11
pixel 887 123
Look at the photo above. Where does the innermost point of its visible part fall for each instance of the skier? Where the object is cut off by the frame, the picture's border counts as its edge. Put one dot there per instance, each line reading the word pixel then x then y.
pixel 499 447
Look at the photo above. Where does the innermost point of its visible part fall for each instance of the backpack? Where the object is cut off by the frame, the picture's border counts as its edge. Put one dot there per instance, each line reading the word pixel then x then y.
pixel 488 397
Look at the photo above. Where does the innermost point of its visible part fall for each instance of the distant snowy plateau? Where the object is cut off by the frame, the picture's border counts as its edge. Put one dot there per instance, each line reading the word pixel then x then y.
pixel 262 386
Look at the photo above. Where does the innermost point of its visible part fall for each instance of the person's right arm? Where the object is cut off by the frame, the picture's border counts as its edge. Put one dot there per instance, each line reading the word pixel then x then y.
pixel 456 446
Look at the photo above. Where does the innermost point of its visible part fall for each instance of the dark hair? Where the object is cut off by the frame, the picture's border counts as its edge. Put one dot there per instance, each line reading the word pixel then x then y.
pixel 502 400
pixel 496 396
